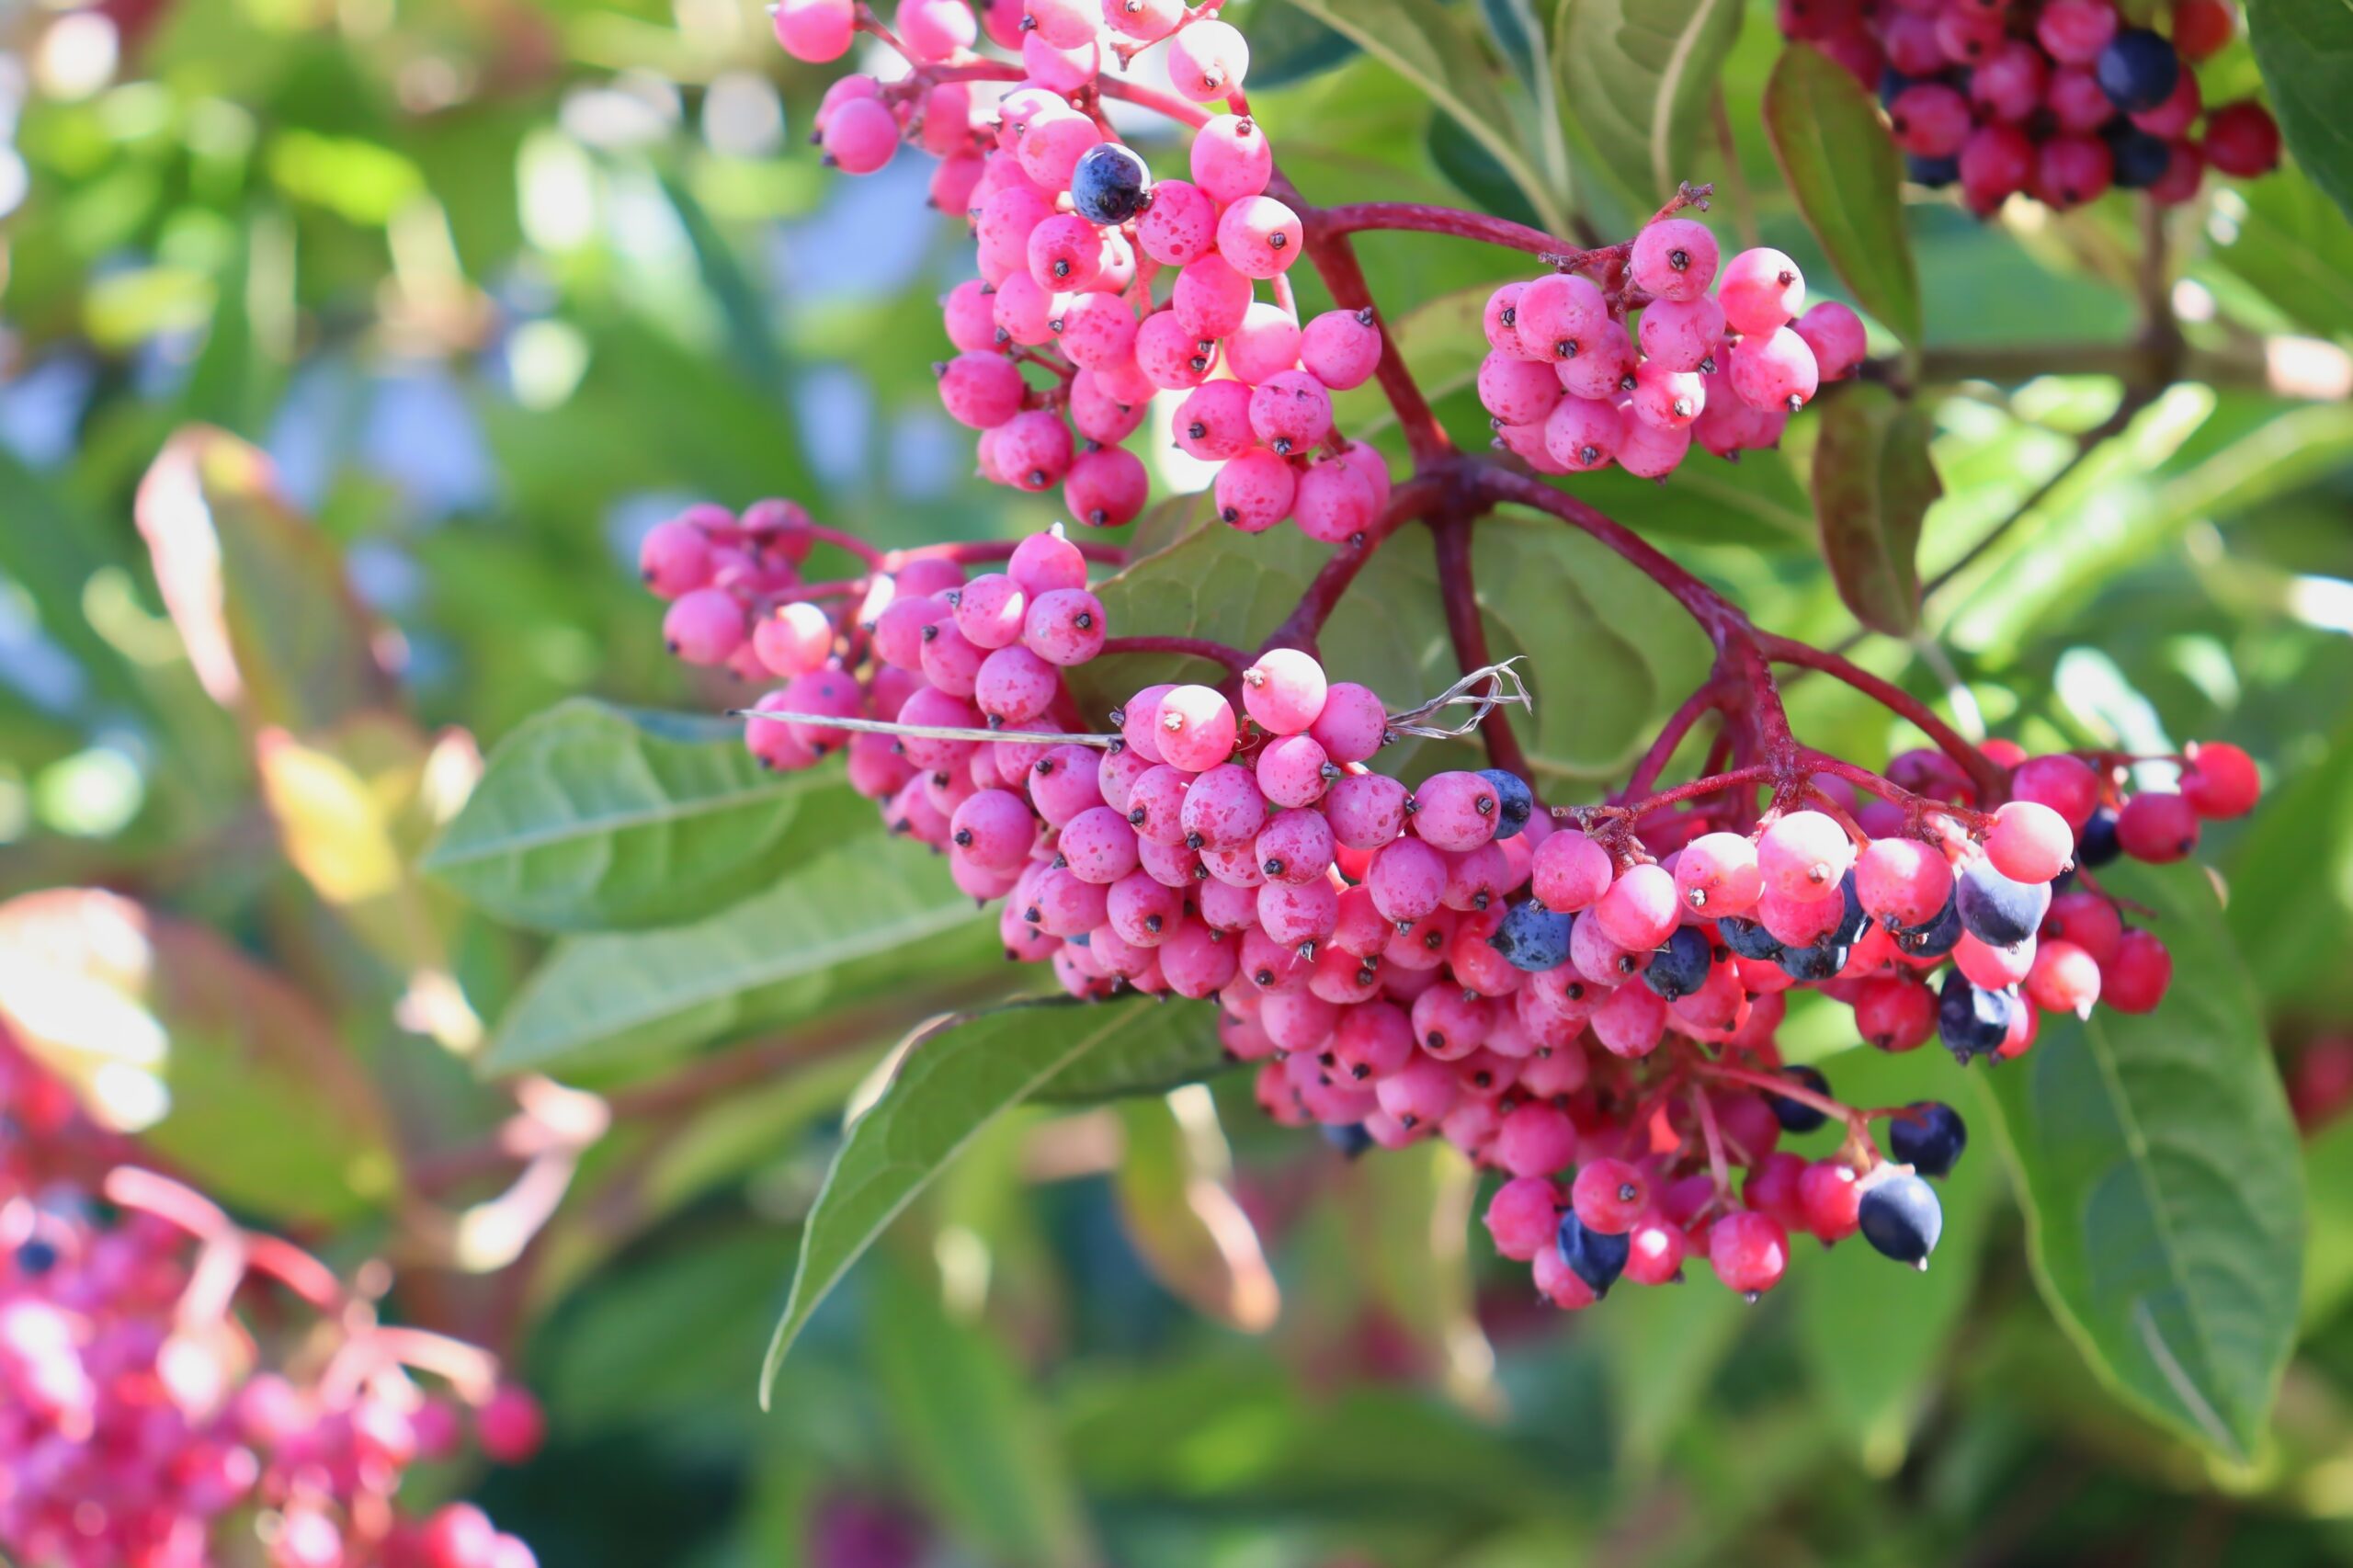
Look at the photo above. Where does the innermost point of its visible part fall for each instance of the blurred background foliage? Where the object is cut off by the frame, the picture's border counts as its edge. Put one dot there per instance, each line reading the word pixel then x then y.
pixel 494 284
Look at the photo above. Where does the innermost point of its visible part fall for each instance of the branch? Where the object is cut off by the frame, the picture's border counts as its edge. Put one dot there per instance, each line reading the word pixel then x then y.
pixel 1414 499
pixel 1334 261
pixel 1460 592
pixel 1982 772
pixel 1421 218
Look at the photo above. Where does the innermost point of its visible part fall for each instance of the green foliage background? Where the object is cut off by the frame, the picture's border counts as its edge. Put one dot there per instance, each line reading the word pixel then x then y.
pixel 496 282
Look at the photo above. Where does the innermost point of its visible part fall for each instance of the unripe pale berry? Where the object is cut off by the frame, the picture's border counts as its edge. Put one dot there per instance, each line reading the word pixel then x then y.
pixel 1761 290
pixel 1207 59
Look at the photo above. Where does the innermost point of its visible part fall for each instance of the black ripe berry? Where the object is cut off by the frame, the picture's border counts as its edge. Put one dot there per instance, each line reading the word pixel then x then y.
pixel 1681 965
pixel 2140 159
pixel 1929 1136
pixel 1796 1116
pixel 1902 1219
pixel 1533 939
pixel 2097 845
pixel 1593 1257
pixel 1997 911
pixel 1351 1139
pixel 1749 939
pixel 1515 801
pixel 1938 937
pixel 1971 1020
pixel 2137 70
pixel 1934 173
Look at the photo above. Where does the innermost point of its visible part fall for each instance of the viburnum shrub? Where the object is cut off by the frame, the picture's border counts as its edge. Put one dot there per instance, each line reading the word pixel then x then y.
pixel 2061 101
pixel 176 1391
pixel 1581 996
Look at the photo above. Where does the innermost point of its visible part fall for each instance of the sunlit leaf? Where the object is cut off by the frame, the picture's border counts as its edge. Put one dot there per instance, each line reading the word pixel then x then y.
pixel 1873 483
pixel 1840 163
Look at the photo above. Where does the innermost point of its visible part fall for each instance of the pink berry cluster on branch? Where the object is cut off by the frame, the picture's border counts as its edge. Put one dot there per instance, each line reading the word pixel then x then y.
pixel 1572 389
pixel 176 1391
pixel 2061 101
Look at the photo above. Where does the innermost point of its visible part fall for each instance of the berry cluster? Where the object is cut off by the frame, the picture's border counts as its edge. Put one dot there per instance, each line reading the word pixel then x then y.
pixel 1074 237
pixel 1572 389
pixel 145 1420
pixel 2062 101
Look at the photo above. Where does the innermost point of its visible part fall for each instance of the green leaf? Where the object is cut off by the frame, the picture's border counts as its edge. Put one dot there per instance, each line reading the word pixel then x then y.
pixel 1286 46
pixel 1607 654
pixel 2328 1252
pixel 1879 1337
pixel 2305 47
pixel 875 917
pixel 1836 154
pixel 1472 170
pixel 1872 484
pixel 1665 1347
pixel 1425 44
pixel 1522 36
pixel 955 1078
pixel 970 1429
pixel 2290 873
pixel 257 590
pixel 2164 1197
pixel 594 818
pixel 148 1017
pixel 1636 76
pixel 2295 248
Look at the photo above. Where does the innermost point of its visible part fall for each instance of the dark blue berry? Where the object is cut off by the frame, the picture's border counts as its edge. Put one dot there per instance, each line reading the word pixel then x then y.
pixel 1110 184
pixel 1997 911
pixel 1929 1136
pixel 1971 1020
pixel 1518 801
pixel 2140 158
pixel 1816 961
pixel 1795 1116
pixel 1595 1258
pixel 1349 1138
pixel 2097 845
pixel 1680 966
pixel 1902 1219
pixel 1749 939
pixel 2137 70
pixel 1935 938
pixel 1532 938
pixel 36 1257
pixel 1934 173
pixel 1891 83
pixel 1852 921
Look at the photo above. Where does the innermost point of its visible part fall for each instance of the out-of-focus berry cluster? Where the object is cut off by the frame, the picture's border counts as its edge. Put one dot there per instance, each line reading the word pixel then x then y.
pixel 2060 101
pixel 175 1393
pixel 1723 360
pixel 1101 287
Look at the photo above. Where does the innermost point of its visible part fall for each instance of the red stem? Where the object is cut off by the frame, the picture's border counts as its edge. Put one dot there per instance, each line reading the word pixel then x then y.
pixel 1414 499
pixel 1982 772
pixel 1420 218
pixel 1709 697
pixel 1460 592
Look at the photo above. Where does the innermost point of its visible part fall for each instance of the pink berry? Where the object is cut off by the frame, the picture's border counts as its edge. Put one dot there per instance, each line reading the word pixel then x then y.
pixel 1775 370
pixel 1212 296
pixel 1064 626
pixel 1337 499
pixel 1679 333
pixel 2136 980
pixel 1522 1218
pixel 1761 290
pixel 1537 1140
pixel 995 829
pixel 2220 782
pixel 1366 810
pixel 1930 119
pixel 1353 723
pixel 2029 843
pixel 1231 158
pixel 1717 875
pixel 1207 59
pixel 816 31
pixel 1668 400
pixel 1631 1022
pixel 1342 348
pixel 861 136
pixel 1291 411
pixel 1558 313
pixel 1290 770
pixel 1516 390
pixel 675 558
pixel 1641 909
pixel 1256 491
pixel 1107 488
pixel 1901 882
pixel 2074 32
pixel 1284 691
pixel 1749 1251
pixel 982 390
pixel 1456 812
pixel 1223 810
pixel 511 1426
pixel 705 627
pixel 1258 236
pixel 1214 422
pixel 1609 1196
pixel 1804 855
pixel 1569 872
pixel 1014 686
pixel 1266 345
pixel 1836 336
pixel 1582 435
pixel 1675 258
pixel 2155 825
pixel 1180 226
pixel 2071 170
